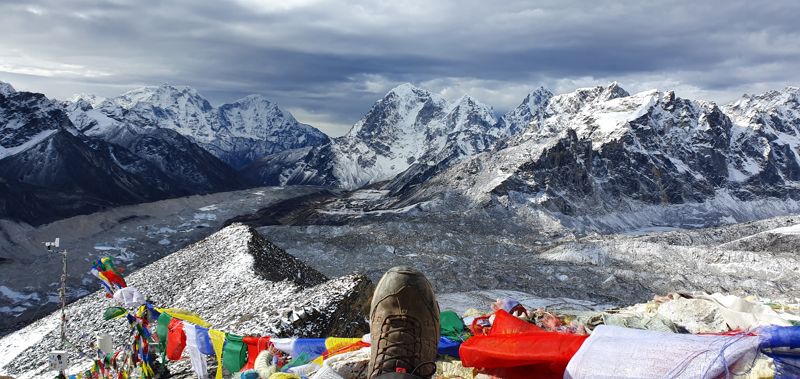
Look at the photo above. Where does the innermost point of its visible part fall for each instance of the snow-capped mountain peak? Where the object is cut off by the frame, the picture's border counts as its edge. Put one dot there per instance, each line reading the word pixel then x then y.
pixel 748 106
pixel 245 117
pixel 179 108
pixel 467 112
pixel 237 133
pixel 530 110
pixel 573 102
pixel 6 88
pixel 404 109
pixel 26 119
pixel 469 102
pixel 407 90
pixel 163 96
pixel 538 96
pixel 87 98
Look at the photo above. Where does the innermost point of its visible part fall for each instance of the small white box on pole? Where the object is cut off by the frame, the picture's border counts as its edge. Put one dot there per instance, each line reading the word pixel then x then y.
pixel 58 360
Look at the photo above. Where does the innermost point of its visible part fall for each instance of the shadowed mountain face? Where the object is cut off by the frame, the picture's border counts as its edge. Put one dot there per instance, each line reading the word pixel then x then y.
pixel 58 171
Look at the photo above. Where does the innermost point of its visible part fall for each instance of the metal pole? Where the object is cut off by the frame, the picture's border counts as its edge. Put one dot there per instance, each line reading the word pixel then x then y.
pixel 62 294
pixel 64 301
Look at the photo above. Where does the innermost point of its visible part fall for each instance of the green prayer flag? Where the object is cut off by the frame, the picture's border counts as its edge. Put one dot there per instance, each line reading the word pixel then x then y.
pixel 234 354
pixel 114 312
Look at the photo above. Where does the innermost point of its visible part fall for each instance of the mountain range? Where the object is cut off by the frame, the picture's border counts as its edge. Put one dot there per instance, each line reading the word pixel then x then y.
pixel 61 158
pixel 409 132
pixel 592 152
pixel 601 151
pixel 237 133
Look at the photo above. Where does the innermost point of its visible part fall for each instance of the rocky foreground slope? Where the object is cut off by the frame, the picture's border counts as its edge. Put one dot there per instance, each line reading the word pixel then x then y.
pixel 236 279
pixel 135 235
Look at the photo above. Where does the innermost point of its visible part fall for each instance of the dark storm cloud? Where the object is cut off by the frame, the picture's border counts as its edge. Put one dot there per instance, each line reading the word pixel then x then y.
pixel 327 61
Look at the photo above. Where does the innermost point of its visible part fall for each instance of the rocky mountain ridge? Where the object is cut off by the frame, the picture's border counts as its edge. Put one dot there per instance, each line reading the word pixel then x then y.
pixel 588 153
pixel 408 129
pixel 237 133
pixel 601 150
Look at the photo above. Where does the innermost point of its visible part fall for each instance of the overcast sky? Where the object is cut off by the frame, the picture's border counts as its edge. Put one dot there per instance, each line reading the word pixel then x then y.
pixel 328 61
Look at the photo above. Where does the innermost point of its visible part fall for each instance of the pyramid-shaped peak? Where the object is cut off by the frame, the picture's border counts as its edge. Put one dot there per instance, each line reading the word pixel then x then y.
pixel 541 90
pixel 467 99
pixel 269 261
pixel 614 90
pixel 469 102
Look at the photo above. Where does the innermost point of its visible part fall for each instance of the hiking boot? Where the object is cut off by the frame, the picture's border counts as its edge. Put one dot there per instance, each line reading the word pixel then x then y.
pixel 404 324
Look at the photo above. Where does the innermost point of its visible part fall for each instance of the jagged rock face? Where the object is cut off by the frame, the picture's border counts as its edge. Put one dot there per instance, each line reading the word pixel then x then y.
pixel 408 129
pixel 237 133
pixel 765 136
pixel 601 150
pixel 256 127
pixel 530 110
pixel 222 278
pixel 266 254
pixel 27 119
pixel 192 167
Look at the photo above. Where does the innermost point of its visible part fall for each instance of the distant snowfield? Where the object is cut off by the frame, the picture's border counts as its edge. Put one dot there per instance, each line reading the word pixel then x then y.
pixel 460 302
pixel 794 229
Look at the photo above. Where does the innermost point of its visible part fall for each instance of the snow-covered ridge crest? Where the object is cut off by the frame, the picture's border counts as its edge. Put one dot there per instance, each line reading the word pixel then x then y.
pixel 237 133
pixel 26 119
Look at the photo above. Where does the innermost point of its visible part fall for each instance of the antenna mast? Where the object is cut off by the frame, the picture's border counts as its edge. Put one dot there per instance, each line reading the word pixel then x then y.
pixel 62 291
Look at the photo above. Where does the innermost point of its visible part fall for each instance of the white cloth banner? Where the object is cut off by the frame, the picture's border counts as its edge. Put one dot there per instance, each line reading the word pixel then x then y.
pixel 129 297
pixel 615 352
pixel 199 364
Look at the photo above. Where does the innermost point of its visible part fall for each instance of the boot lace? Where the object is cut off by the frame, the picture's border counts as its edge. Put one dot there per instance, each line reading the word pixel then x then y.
pixel 399 344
